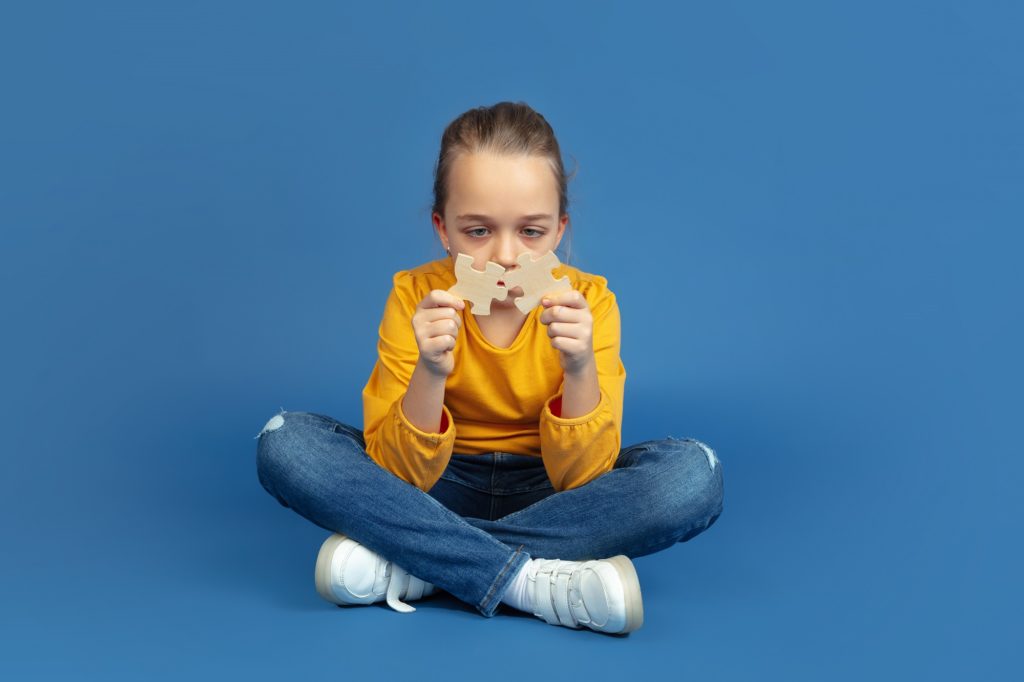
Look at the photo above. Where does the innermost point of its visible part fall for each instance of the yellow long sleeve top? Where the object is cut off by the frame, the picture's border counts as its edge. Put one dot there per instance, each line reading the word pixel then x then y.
pixel 496 399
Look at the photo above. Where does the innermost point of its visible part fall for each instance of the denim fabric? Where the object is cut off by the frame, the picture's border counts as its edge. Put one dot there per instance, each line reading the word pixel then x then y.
pixel 488 514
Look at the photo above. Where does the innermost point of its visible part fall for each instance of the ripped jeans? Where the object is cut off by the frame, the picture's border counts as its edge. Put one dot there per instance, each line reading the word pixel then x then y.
pixel 488 514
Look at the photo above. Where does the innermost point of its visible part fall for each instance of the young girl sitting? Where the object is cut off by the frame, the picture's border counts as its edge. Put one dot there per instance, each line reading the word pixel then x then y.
pixel 490 463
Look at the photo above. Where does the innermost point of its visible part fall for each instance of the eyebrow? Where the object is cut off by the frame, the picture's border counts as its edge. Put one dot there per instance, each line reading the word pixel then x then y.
pixel 480 216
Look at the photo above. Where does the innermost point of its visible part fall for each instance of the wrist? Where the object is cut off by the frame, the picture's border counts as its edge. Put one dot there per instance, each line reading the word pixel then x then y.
pixel 584 369
pixel 431 371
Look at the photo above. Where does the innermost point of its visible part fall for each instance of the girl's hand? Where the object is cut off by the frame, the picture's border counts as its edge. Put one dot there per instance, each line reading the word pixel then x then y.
pixel 436 324
pixel 571 328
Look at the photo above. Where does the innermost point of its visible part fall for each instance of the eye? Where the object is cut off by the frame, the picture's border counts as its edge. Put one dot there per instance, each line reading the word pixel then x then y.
pixel 536 234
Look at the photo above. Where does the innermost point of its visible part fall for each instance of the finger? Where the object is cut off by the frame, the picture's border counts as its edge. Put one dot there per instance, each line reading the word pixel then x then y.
pixel 440 298
pixel 569 346
pixel 443 313
pixel 566 330
pixel 560 313
pixel 439 344
pixel 572 299
pixel 442 327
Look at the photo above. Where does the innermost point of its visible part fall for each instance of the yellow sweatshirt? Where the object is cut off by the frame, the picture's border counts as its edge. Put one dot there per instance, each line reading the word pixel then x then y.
pixel 496 399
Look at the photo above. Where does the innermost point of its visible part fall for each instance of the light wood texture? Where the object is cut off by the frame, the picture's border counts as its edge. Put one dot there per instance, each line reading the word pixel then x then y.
pixel 478 286
pixel 534 276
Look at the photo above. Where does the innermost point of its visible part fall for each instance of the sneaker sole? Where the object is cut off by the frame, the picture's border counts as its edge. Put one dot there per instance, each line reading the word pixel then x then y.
pixel 322 573
pixel 631 590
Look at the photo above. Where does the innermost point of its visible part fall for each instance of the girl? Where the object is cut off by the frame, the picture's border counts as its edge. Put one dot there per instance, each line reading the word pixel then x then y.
pixel 490 463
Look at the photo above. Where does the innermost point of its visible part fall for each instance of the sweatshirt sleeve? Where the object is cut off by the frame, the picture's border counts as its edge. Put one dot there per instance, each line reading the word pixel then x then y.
pixel 578 450
pixel 392 441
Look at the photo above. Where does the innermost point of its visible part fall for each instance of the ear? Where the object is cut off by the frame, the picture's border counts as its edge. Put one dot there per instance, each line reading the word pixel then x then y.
pixel 439 227
pixel 561 230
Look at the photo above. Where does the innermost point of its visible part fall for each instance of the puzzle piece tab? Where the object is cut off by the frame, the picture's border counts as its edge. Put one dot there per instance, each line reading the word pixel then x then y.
pixel 478 286
pixel 534 276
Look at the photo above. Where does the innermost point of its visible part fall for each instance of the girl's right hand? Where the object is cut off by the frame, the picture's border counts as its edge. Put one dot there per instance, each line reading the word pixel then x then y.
pixel 436 324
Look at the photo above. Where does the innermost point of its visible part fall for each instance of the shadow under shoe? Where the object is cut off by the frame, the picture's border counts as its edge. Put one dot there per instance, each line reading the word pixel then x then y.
pixel 348 573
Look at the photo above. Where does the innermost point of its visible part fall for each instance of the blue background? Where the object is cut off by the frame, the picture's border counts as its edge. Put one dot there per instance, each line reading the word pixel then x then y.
pixel 811 215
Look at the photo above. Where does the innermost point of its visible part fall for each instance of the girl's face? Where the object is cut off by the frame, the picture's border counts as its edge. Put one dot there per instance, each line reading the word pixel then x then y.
pixel 498 208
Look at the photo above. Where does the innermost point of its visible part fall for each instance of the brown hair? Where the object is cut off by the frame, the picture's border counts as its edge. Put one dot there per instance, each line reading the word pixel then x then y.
pixel 504 128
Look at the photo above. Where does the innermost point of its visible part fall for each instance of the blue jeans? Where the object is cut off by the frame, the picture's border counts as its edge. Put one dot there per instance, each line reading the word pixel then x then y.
pixel 488 514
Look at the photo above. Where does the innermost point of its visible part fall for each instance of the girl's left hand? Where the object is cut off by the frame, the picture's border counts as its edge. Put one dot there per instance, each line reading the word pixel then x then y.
pixel 571 328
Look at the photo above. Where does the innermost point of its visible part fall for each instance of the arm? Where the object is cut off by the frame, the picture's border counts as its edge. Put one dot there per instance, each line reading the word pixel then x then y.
pixel 424 400
pixel 581 425
pixel 415 447
pixel 581 391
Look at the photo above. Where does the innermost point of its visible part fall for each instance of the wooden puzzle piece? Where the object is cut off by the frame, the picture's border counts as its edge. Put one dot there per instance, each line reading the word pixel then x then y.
pixel 534 276
pixel 478 286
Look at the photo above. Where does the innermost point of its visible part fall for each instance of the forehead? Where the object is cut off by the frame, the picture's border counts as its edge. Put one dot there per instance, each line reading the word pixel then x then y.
pixel 487 183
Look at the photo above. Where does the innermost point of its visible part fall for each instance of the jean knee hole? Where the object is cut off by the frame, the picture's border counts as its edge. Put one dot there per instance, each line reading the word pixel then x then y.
pixel 709 453
pixel 276 422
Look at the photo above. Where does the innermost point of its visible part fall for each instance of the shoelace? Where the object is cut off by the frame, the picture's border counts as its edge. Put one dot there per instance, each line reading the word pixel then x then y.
pixel 558 599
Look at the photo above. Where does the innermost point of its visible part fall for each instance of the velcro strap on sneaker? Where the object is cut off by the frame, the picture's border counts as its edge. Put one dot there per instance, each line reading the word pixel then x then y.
pixel 543 597
pixel 551 595
pixel 579 609
pixel 565 614
pixel 397 587
pixel 416 588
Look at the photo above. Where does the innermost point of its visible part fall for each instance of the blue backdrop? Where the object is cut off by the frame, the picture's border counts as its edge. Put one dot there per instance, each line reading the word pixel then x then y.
pixel 810 213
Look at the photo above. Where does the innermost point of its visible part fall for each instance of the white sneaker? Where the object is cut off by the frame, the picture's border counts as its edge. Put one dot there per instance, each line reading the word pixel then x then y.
pixel 348 573
pixel 601 594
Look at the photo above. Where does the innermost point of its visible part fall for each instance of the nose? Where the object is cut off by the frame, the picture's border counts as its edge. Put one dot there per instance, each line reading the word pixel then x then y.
pixel 507 253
